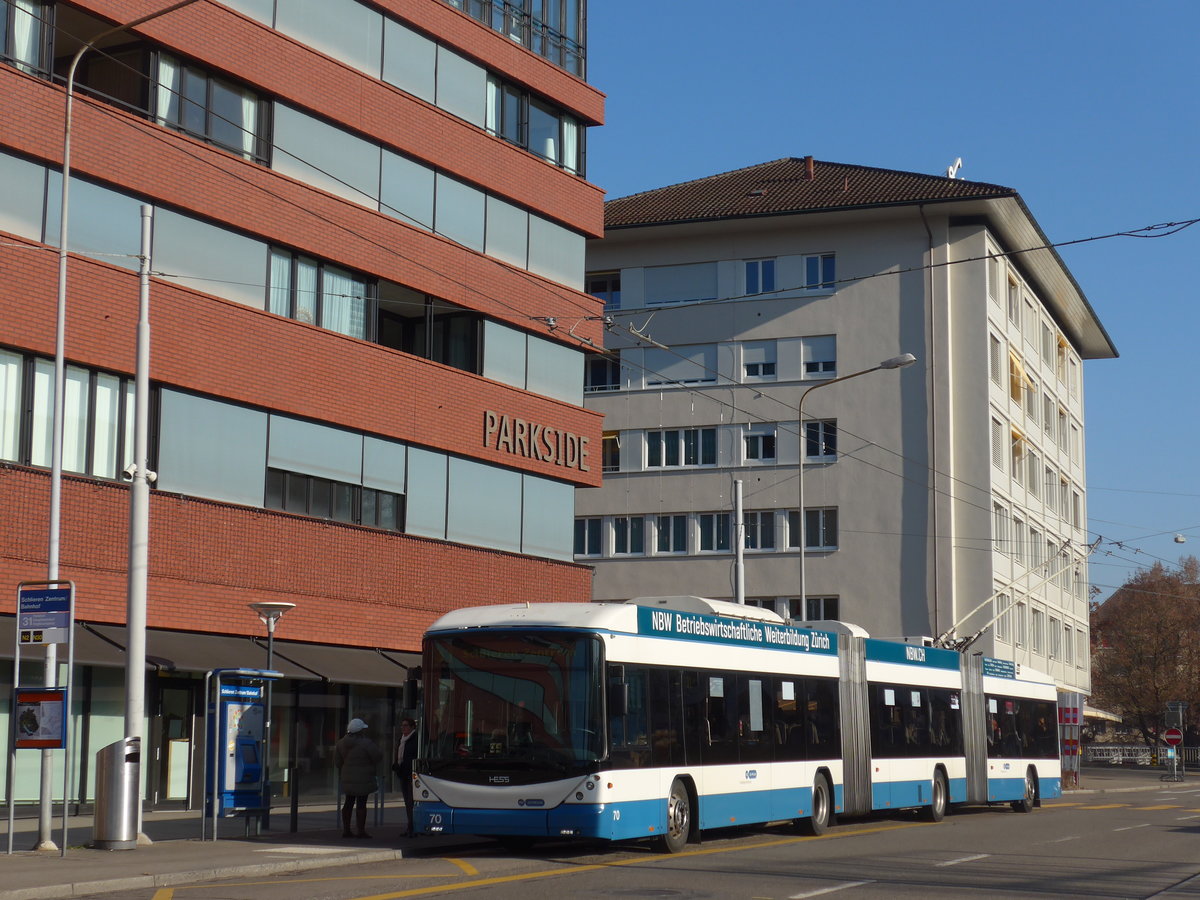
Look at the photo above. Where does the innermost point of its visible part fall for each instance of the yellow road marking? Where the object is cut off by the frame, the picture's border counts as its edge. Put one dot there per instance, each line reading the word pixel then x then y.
pixel 163 894
pixel 1163 806
pixel 1106 806
pixel 276 880
pixel 640 859
pixel 1049 805
pixel 467 868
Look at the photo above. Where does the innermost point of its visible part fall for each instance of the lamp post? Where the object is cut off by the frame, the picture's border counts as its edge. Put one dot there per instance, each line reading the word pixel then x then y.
pixel 895 362
pixel 135 668
pixel 269 612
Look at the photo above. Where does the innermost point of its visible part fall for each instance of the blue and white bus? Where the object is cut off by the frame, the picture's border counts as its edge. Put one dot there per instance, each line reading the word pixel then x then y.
pixel 662 717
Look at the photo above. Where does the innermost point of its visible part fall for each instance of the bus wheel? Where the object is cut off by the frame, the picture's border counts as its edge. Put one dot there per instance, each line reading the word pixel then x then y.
pixel 822 804
pixel 1025 804
pixel 679 819
pixel 936 810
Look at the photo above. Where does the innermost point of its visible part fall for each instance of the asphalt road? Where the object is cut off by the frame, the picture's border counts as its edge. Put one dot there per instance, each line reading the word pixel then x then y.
pixel 1137 845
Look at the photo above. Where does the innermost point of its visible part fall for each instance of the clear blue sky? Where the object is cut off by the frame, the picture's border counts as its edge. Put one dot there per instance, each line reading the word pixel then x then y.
pixel 1088 109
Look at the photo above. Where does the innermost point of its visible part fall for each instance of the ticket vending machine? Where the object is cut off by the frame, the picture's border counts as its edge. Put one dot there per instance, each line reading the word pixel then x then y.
pixel 234 745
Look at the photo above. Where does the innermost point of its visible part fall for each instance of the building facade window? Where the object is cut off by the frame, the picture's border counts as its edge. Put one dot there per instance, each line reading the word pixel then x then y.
pixel 524 120
pixel 820 272
pixel 814 609
pixel 24 33
pixel 760 276
pixel 610 452
pixel 217 111
pixel 681 447
pixel 819 355
pixel 758 360
pixel 1033 473
pixel 759 444
pixel 323 498
pixel 310 291
pixel 629 535
pixel 714 532
pixel 1000 521
pixel 607 287
pixel 760 530
pixel 553 29
pixel 1001 612
pixel 97 416
pixel 602 373
pixel 994 350
pixel 671 534
pixel 820 528
pixel 589 536
pixel 998 449
pixel 820 439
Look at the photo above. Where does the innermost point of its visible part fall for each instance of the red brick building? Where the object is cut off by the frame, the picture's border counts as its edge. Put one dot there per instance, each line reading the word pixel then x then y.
pixel 368 330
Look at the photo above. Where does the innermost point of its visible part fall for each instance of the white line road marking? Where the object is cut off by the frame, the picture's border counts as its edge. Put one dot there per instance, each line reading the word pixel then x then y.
pixel 829 890
pixel 1131 827
pixel 955 862
pixel 313 851
pixel 1181 818
pixel 1073 837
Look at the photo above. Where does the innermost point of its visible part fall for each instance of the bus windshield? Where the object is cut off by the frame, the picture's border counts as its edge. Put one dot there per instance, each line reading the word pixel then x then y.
pixel 528 705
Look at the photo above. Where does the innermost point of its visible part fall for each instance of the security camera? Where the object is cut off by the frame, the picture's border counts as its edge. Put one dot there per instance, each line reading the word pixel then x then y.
pixel 130 471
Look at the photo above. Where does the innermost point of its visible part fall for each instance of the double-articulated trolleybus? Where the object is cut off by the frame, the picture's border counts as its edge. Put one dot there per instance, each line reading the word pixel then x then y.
pixel 664 716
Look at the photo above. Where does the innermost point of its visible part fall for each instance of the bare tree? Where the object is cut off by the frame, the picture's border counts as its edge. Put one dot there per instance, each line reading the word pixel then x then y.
pixel 1146 647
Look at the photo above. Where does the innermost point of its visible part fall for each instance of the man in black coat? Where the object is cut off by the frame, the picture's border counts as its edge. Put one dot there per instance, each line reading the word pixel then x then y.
pixel 406 752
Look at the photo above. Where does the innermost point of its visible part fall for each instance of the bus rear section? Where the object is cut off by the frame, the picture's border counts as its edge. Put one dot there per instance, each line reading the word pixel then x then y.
pixel 1017 758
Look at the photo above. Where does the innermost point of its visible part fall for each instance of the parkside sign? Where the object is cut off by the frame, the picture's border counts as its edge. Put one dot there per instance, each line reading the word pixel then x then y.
pixel 531 440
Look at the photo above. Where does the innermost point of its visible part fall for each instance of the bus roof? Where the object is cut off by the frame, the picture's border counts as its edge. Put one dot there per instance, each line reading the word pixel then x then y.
pixel 620 617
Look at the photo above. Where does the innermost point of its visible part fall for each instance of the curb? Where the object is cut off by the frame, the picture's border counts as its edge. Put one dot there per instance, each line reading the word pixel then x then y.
pixel 148 882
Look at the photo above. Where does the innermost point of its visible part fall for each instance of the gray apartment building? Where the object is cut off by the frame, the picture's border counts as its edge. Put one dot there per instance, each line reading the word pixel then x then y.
pixel 947 493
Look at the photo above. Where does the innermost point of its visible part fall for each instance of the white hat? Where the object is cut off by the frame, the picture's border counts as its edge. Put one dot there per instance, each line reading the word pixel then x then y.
pixel 355 726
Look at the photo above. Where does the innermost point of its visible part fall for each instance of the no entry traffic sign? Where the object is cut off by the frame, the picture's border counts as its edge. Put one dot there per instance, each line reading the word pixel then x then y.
pixel 1173 737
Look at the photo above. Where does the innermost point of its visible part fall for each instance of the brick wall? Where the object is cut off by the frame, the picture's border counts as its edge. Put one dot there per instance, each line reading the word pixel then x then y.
pixel 351 585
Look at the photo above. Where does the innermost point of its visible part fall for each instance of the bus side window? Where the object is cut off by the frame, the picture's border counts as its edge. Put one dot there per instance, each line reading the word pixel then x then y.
pixel 721 716
pixel 666 748
pixel 627 734
pixel 755 731
pixel 789 719
pixel 821 713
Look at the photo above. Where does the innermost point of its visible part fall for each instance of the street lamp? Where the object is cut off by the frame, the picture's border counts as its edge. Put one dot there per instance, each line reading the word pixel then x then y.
pixel 896 362
pixel 269 612
pixel 135 663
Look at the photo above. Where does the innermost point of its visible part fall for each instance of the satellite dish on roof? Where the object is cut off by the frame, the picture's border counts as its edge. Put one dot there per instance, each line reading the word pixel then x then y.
pixel 952 170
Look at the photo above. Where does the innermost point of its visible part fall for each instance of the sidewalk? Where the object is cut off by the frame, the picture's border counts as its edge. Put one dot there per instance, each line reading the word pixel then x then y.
pixel 178 856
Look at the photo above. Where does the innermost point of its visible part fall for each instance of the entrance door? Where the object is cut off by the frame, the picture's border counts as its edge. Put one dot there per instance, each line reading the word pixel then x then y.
pixel 172 731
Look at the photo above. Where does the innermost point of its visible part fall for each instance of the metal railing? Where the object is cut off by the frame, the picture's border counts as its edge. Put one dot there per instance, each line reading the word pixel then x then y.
pixel 1136 754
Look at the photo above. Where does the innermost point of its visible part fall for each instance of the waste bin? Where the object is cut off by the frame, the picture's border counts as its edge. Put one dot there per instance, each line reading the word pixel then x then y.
pixel 118 777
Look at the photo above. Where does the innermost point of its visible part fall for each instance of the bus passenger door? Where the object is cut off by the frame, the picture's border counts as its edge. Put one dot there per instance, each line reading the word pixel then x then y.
pixel 693 693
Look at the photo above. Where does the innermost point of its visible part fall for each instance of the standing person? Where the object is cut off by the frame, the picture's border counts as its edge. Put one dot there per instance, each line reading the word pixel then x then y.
pixel 406 752
pixel 357 758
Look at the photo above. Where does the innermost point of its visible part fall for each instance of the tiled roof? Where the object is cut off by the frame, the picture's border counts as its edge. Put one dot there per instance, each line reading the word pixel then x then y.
pixel 786 186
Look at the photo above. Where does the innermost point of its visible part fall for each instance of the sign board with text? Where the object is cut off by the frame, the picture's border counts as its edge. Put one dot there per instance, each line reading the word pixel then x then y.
pixel 43 615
